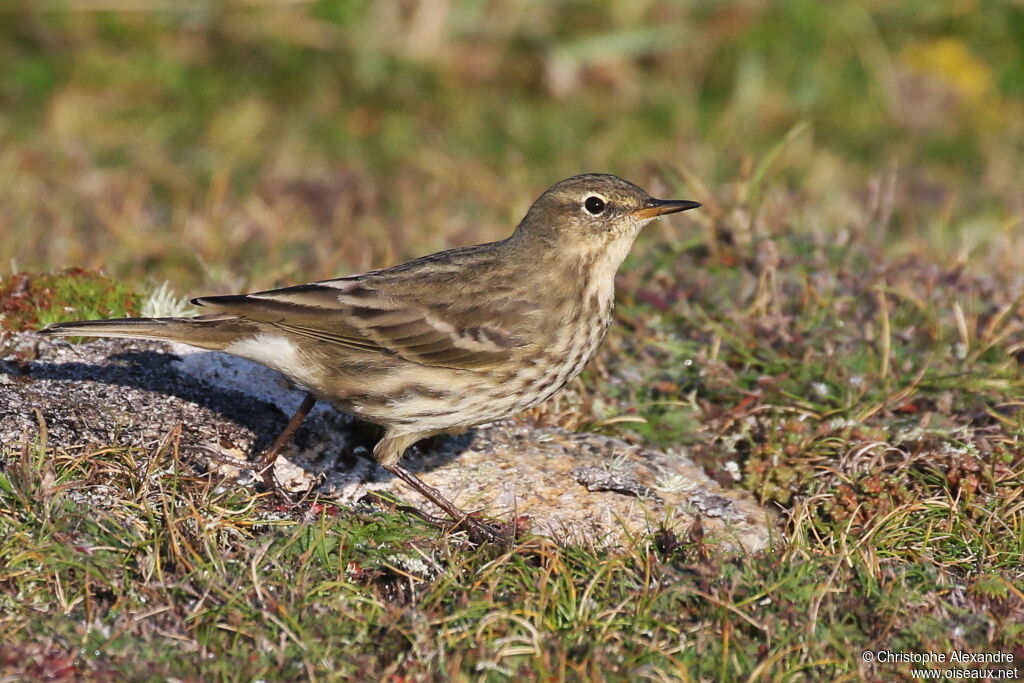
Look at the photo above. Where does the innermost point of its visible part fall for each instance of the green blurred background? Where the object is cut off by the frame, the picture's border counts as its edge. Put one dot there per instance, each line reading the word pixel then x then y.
pixel 237 143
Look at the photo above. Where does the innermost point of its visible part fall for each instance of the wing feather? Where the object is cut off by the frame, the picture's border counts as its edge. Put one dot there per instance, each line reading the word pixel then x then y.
pixel 366 318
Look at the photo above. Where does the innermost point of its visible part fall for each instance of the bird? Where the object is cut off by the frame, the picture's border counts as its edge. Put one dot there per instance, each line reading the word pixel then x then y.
pixel 444 342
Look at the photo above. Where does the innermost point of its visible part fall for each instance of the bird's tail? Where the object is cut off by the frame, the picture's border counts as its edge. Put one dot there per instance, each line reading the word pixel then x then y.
pixel 215 331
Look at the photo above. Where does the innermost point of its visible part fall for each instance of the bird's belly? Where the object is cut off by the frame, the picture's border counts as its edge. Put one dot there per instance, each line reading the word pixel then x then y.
pixel 439 399
pixel 557 368
pixel 436 400
pixel 467 398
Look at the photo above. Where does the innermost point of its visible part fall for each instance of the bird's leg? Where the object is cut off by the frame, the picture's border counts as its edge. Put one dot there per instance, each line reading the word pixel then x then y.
pixel 479 532
pixel 265 466
pixel 387 452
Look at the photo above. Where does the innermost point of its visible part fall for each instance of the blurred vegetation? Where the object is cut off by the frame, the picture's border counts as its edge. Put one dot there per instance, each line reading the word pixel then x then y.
pixel 237 142
pixel 840 330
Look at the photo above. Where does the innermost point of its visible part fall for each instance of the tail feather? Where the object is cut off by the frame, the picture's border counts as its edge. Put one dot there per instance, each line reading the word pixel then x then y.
pixel 215 331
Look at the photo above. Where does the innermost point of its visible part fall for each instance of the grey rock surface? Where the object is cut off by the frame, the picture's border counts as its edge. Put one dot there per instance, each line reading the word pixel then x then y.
pixel 136 394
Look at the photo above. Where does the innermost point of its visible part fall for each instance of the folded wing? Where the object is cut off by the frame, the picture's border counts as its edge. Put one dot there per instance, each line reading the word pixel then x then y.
pixel 366 317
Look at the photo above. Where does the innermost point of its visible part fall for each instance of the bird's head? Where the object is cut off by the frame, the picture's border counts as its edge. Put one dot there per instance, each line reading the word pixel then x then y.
pixel 594 210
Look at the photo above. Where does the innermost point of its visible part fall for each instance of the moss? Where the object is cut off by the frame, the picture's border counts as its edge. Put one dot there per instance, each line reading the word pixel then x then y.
pixel 31 300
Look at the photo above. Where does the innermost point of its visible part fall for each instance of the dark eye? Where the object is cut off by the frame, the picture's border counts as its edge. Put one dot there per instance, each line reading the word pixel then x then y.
pixel 594 205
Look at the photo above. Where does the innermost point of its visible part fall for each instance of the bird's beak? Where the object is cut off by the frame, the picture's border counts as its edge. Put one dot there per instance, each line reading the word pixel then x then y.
pixel 659 207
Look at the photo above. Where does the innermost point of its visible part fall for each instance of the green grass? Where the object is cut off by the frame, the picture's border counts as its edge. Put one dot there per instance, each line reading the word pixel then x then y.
pixel 841 325
pixel 169 568
pixel 30 301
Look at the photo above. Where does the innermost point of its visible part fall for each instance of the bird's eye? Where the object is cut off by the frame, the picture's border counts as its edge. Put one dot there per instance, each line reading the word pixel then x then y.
pixel 594 205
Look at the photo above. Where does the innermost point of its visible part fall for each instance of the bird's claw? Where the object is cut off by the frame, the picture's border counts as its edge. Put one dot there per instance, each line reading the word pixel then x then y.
pixel 478 531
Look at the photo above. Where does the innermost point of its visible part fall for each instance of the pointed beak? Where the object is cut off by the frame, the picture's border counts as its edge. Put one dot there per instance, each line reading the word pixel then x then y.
pixel 660 207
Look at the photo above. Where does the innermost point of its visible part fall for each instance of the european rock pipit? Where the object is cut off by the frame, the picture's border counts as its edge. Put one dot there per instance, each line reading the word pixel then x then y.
pixel 443 342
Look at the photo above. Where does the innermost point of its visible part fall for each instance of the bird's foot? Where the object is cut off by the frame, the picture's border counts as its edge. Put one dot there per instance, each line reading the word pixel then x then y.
pixel 273 486
pixel 479 531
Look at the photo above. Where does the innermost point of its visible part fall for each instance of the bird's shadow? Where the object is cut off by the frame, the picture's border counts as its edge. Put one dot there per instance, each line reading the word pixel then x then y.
pixel 153 371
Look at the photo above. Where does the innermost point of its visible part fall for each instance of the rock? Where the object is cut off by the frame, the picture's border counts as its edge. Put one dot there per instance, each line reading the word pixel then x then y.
pixel 575 487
